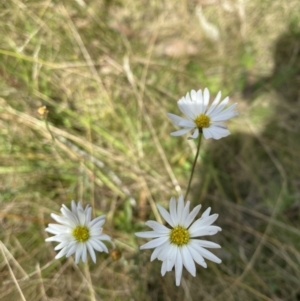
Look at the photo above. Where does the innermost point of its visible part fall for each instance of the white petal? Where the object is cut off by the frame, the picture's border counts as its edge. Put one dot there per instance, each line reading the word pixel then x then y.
pixel 81 217
pixel 157 227
pixel 194 95
pixel 209 255
pixel 214 104
pixel 178 268
pixel 57 229
pixel 190 218
pixel 52 238
pixel 148 234
pixel 196 103
pixel 91 251
pixel 201 223
pixel 180 207
pixel 188 261
pixel 74 207
pixel 97 222
pixel 205 98
pixel 65 210
pixel 98 245
pixel 60 238
pixel 220 107
pixel 161 249
pixel 175 119
pixel 215 132
pixel 84 252
pixel 185 213
pixel 198 258
pixel 62 245
pixel 225 115
pixel 154 243
pixel 187 124
pixel 73 220
pixel 206 212
pixel 218 132
pixel 207 133
pixel 72 248
pixel 78 253
pixel 164 268
pixel 210 230
pixel 187 98
pixel 171 258
pixel 180 132
pixel 88 215
pixel 195 134
pixel 95 231
pixel 104 236
pixel 206 243
pixel 97 225
pixel 187 109
pixel 173 211
pixel 79 206
pixel 169 252
pixel 200 103
pixel 62 220
pixel 165 214
pixel 62 253
pixel 87 209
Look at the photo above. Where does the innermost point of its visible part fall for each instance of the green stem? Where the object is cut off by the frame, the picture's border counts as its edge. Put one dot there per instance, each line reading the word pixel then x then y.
pixel 193 168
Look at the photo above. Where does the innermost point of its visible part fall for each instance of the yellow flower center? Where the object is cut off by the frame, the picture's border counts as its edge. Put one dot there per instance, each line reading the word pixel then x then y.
pixel 202 121
pixel 81 233
pixel 179 236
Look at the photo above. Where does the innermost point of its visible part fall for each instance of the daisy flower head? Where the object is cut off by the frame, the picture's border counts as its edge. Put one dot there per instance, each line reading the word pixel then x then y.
pixel 178 245
pixel 77 232
pixel 202 118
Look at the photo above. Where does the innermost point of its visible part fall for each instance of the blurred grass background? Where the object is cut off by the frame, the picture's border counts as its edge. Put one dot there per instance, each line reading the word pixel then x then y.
pixel 107 72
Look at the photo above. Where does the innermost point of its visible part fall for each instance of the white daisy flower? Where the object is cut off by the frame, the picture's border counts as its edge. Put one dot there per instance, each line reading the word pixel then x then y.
pixel 201 116
pixel 178 246
pixel 78 233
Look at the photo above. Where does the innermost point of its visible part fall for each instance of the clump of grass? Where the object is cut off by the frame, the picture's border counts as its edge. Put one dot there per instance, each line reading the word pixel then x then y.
pixel 106 74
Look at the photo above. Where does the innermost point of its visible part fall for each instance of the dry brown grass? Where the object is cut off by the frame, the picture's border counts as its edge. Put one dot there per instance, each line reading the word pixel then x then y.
pixel 108 71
